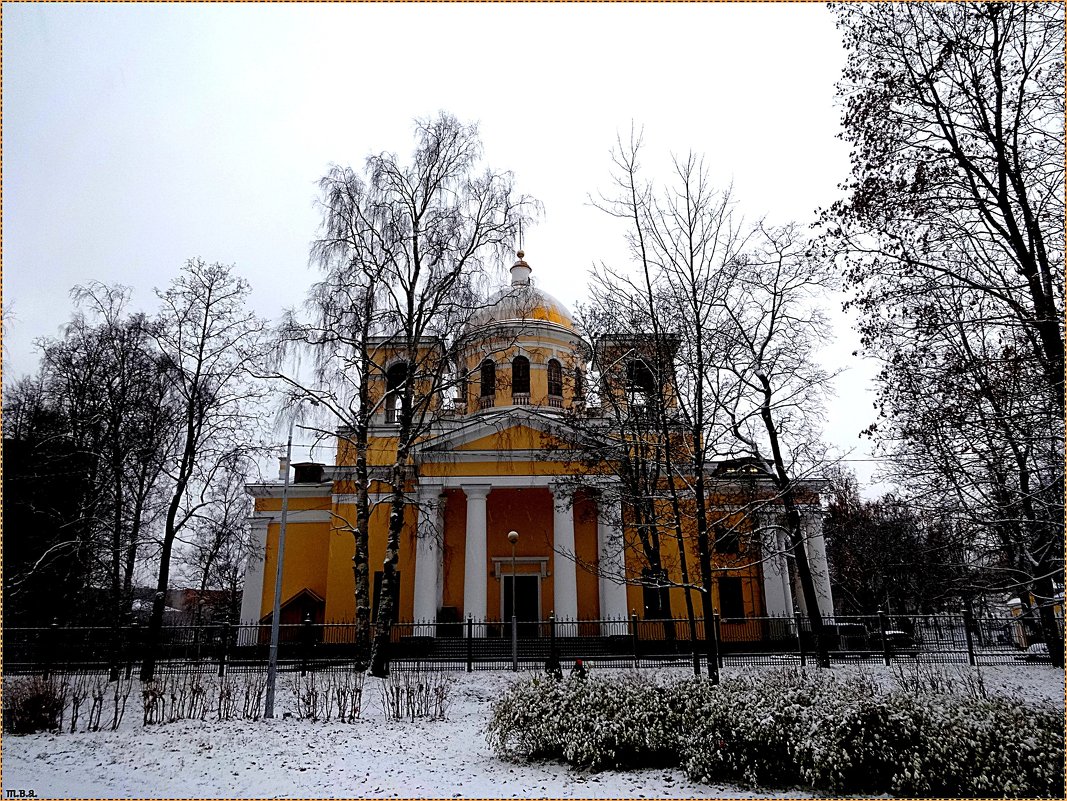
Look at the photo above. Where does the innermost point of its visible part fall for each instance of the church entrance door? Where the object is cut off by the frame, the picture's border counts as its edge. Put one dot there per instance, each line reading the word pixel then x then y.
pixel 527 602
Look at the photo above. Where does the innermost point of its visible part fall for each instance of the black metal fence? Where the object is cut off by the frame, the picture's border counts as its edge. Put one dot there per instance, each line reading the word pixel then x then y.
pixel 487 645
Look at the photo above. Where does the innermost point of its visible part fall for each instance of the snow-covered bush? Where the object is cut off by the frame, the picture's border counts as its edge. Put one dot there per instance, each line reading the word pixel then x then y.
pixel 758 729
pixel 595 723
pixel 986 747
pixel 840 736
pixel 790 728
pixel 34 704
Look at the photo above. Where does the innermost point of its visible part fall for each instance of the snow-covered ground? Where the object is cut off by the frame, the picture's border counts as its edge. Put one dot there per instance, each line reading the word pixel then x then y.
pixel 371 758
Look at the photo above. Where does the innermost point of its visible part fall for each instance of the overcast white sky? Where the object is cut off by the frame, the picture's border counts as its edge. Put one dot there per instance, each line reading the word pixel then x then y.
pixel 137 136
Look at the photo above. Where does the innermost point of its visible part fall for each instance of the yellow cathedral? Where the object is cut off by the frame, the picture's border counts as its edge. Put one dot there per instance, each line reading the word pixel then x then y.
pixel 495 462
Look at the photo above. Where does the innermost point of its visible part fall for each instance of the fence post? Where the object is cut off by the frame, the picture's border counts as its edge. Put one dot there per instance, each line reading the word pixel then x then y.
pixel 968 622
pixel 800 639
pixel 553 656
pixel 885 637
pixel 716 619
pixel 470 642
pixel 224 644
pixel 115 653
pixel 131 647
pixel 308 644
pixel 633 634
pixel 51 646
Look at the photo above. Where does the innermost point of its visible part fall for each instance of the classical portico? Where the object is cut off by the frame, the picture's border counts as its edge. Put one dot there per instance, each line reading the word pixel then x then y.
pixel 549 551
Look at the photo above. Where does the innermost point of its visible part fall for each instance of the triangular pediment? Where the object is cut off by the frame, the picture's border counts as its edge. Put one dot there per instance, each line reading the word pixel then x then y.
pixel 507 430
pixel 519 437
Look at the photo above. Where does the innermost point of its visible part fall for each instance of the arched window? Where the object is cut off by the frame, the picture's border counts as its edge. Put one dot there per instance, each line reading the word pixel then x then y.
pixel 395 379
pixel 520 380
pixel 488 382
pixel 640 383
pixel 555 379
pixel 461 387
pixel 488 378
pixel 579 383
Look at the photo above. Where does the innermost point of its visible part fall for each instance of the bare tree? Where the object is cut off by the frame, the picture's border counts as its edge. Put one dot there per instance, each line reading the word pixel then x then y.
pixel 441 218
pixel 137 417
pixel 768 387
pixel 888 553
pixel 219 542
pixel 102 381
pixel 694 289
pixel 50 565
pixel 403 247
pixel 344 317
pixel 212 345
pixel 951 236
pixel 640 396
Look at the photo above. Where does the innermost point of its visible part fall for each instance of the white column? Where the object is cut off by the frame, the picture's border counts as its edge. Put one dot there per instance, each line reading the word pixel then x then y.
pixel 441 544
pixel 564 572
pixel 252 595
pixel 776 592
pixel 612 563
pixel 787 581
pixel 475 571
pixel 815 547
pixel 427 560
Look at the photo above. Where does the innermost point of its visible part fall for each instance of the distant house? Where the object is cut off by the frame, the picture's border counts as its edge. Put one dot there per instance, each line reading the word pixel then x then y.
pixel 207 606
pixel 1025 626
pixel 141 610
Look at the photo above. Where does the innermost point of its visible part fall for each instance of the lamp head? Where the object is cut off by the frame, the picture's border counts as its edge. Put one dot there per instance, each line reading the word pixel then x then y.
pixel 513 537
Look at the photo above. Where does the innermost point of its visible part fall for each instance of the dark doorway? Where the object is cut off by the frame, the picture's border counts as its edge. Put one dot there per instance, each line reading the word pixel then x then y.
pixel 527 603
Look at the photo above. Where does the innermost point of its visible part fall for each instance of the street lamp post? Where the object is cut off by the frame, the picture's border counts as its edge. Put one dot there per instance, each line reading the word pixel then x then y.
pixel 513 537
pixel 272 662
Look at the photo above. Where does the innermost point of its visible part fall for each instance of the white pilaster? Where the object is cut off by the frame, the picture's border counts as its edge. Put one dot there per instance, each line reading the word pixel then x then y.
pixel 252 595
pixel 612 563
pixel 475 570
pixel 427 560
pixel 564 572
pixel 815 547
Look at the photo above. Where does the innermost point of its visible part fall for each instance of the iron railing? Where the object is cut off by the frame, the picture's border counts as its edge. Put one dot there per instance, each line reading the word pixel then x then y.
pixel 486 644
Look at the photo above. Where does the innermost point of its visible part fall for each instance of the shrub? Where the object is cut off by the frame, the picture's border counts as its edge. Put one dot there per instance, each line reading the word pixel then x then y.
pixel 414 694
pixel 590 723
pixel 790 728
pixel 34 704
pixel 982 747
pixel 762 730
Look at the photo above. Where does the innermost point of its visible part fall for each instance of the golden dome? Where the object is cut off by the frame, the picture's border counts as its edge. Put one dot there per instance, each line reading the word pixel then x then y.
pixel 522 302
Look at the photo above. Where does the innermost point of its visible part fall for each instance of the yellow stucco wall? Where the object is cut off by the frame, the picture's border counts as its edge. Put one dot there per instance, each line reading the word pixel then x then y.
pixel 306 557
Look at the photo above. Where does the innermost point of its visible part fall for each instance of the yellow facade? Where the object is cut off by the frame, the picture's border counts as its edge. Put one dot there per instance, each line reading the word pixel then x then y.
pixel 493 463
